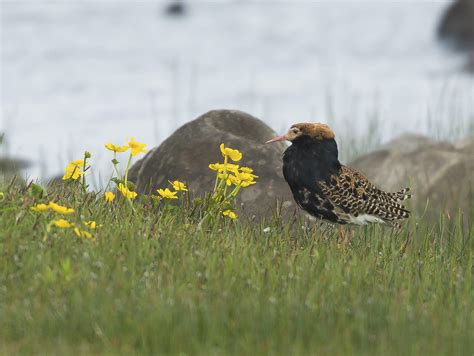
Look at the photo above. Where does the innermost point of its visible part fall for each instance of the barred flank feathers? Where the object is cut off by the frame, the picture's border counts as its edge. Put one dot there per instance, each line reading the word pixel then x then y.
pixel 355 194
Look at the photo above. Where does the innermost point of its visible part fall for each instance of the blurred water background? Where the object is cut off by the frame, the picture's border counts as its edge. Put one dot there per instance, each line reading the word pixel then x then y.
pixel 77 74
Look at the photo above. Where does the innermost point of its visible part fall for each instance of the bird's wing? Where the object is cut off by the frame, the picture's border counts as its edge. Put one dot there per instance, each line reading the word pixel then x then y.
pixel 352 192
pixel 355 177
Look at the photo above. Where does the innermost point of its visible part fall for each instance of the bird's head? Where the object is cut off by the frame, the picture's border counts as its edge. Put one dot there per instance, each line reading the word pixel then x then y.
pixel 314 131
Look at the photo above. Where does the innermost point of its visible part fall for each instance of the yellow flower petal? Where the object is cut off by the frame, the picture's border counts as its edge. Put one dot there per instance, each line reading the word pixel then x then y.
pixel 82 233
pixel 116 148
pixel 74 169
pixel 40 207
pixel 230 167
pixel 91 224
pixel 246 169
pixel 62 223
pixel 60 209
pixel 230 214
pixel 246 184
pixel 220 167
pixel 167 194
pixel 234 155
pixel 77 162
pixel 216 166
pixel 127 193
pixel 177 185
pixel 247 176
pixel 234 179
pixel 137 147
pixel 109 197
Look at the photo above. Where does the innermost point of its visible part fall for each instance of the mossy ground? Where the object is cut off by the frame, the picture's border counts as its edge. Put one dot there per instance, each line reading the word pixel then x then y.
pixel 155 282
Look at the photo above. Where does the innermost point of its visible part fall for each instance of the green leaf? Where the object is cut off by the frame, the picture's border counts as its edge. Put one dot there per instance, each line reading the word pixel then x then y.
pixel 37 191
pixel 117 180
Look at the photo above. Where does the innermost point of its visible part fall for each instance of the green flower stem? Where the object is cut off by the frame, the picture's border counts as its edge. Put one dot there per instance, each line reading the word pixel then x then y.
pixel 126 169
pixel 218 188
pixel 226 176
pixel 215 183
pixel 131 204
pixel 115 165
pixel 234 192
pixel 83 183
pixel 48 226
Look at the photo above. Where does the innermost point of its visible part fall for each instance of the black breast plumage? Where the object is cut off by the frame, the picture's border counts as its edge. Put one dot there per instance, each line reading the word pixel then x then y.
pixel 305 163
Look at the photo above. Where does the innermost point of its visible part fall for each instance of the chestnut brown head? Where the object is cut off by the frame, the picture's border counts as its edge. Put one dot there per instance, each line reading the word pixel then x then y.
pixel 316 131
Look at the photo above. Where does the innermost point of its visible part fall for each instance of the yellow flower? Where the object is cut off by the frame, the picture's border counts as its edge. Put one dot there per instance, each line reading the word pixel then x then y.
pixel 62 223
pixel 247 179
pixel 82 233
pixel 234 155
pixel 60 209
pixel 137 147
pixel 167 194
pixel 91 224
pixel 40 207
pixel 216 166
pixel 74 169
pixel 2 195
pixel 127 193
pixel 115 148
pixel 234 168
pixel 221 167
pixel 246 170
pixel 229 178
pixel 245 184
pixel 177 185
pixel 247 176
pixel 230 214
pixel 109 197
pixel 226 177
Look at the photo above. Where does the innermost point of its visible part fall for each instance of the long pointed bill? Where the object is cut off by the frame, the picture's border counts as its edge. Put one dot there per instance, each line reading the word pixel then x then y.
pixel 276 139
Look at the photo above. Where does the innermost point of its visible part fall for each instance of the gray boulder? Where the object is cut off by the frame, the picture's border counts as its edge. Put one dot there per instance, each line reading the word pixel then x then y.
pixel 186 154
pixel 11 167
pixel 439 173
pixel 457 25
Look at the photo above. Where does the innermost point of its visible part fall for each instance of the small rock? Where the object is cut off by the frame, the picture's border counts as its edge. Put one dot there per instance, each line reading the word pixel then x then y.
pixel 438 172
pixel 176 8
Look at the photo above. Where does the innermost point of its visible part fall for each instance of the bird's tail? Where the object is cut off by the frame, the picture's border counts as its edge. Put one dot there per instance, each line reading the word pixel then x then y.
pixel 401 195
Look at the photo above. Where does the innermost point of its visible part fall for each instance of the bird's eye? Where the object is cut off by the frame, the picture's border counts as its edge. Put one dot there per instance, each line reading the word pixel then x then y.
pixel 295 130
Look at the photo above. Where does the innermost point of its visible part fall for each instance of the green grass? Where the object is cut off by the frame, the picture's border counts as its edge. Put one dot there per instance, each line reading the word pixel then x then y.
pixel 153 282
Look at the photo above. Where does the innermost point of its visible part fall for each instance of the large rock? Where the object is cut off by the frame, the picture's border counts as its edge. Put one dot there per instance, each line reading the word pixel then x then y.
pixel 9 168
pixel 186 154
pixel 457 25
pixel 439 173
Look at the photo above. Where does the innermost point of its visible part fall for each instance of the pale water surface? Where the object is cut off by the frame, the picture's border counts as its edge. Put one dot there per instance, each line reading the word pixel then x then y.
pixel 77 74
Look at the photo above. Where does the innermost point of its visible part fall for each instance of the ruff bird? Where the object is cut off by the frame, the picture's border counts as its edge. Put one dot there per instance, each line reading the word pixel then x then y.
pixel 328 190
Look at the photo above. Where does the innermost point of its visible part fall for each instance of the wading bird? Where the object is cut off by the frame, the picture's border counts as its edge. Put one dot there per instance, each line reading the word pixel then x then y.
pixel 328 190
